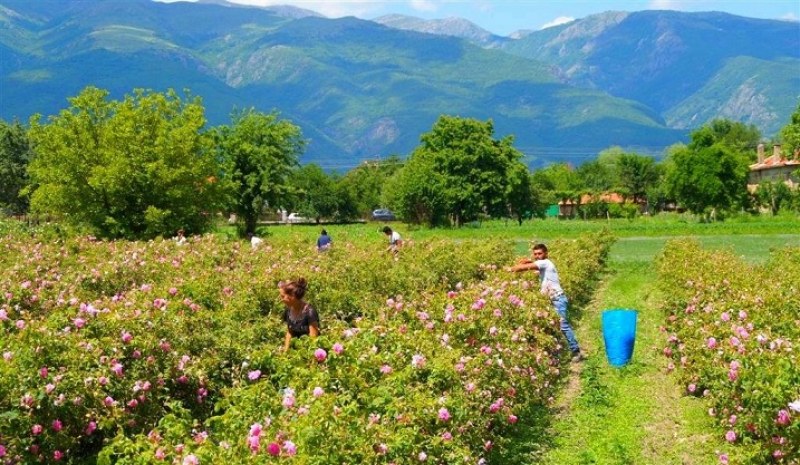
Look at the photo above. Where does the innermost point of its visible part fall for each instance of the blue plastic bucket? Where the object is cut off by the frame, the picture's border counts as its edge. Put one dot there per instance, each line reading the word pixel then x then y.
pixel 619 334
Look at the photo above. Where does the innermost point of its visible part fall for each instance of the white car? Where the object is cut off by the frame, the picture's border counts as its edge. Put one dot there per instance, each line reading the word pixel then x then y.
pixel 296 218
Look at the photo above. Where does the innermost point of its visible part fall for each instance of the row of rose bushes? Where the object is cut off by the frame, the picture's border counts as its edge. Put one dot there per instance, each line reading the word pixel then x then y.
pixel 733 328
pixel 138 352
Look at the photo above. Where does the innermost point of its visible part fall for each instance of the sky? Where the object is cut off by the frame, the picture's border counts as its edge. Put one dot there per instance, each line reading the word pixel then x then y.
pixel 502 17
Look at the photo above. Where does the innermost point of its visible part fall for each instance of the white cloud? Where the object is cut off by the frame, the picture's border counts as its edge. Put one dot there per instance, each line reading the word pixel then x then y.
pixel 790 16
pixel 558 21
pixel 423 5
pixel 665 5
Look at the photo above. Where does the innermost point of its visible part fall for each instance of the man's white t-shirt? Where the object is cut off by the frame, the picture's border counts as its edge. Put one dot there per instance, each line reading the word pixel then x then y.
pixel 548 278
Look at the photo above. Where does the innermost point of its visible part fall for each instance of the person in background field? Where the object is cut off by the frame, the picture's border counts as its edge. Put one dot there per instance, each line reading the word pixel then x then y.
pixel 324 241
pixel 395 241
pixel 255 241
pixel 180 239
pixel 301 319
pixel 551 287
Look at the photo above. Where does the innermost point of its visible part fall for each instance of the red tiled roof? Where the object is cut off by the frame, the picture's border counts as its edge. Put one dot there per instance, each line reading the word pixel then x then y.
pixel 774 161
pixel 608 197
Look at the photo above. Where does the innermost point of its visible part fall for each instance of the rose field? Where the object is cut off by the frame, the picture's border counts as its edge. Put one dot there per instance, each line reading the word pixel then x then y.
pixel 140 352
pixel 122 352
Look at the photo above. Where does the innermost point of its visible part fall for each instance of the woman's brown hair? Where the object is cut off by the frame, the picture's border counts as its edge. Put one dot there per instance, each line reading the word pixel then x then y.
pixel 296 288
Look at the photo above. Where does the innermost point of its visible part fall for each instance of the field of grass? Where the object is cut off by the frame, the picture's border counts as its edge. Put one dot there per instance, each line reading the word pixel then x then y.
pixel 638 240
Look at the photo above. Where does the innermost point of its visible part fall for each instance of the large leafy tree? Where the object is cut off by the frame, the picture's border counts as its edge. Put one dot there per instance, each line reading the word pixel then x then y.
pixel 364 184
pixel 417 193
pixel 740 137
pixel 790 134
pixel 134 168
pixel 316 194
pixel 559 182
pixel 707 174
pixel 260 151
pixel 468 168
pixel 524 200
pixel 15 154
pixel 637 175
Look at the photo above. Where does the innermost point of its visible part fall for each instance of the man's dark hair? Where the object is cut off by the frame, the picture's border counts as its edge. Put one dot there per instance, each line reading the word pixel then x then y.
pixel 386 230
pixel 324 233
pixel 541 247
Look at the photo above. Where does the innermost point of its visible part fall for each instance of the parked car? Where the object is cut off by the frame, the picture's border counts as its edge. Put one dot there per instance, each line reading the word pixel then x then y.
pixel 383 214
pixel 296 218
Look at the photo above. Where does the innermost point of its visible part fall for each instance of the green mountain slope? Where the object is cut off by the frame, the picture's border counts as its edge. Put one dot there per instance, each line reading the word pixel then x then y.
pixel 746 89
pixel 357 88
pixel 677 63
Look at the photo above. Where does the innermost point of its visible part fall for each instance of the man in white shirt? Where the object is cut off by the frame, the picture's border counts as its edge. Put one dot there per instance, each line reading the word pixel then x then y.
pixel 551 287
pixel 395 242
pixel 255 241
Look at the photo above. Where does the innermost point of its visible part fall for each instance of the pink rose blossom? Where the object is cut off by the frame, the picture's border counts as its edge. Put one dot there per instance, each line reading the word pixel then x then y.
pixel 730 436
pixel 290 448
pixel 254 375
pixel 191 459
pixel 273 449
pixel 36 429
pixel 783 418
pixel 444 414
pixel 318 392
pixel 337 349
pixel 320 355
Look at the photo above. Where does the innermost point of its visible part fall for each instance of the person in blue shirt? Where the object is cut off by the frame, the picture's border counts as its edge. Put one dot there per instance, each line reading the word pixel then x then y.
pixel 324 241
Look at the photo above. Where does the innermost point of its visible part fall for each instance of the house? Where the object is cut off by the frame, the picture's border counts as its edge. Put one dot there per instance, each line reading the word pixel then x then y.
pixel 569 207
pixel 775 168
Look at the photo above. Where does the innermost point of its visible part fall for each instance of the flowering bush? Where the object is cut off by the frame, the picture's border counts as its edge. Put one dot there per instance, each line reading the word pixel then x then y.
pixel 137 352
pixel 733 329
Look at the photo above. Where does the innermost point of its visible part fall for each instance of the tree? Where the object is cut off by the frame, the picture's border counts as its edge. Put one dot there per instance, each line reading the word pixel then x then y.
pixel 790 134
pixel 637 174
pixel 417 193
pixel 135 168
pixel 706 178
pixel 523 198
pixel 15 154
pixel 465 164
pixel 559 182
pixel 735 135
pixel 364 185
pixel 260 150
pixel 315 193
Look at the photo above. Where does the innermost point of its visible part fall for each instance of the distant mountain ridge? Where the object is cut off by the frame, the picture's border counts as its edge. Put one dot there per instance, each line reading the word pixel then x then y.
pixel 361 89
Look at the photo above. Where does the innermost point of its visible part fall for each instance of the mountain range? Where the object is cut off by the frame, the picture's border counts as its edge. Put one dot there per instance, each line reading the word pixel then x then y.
pixel 368 89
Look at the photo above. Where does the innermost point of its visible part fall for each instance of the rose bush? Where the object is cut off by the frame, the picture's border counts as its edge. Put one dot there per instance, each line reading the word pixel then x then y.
pixel 733 329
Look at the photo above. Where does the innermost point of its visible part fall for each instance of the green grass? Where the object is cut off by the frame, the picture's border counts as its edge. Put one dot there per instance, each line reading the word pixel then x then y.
pixel 634 414
pixel 660 226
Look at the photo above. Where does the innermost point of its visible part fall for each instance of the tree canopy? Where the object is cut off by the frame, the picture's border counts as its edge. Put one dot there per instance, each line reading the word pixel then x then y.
pixel 458 172
pixel 138 167
pixel 260 150
pixel 15 154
